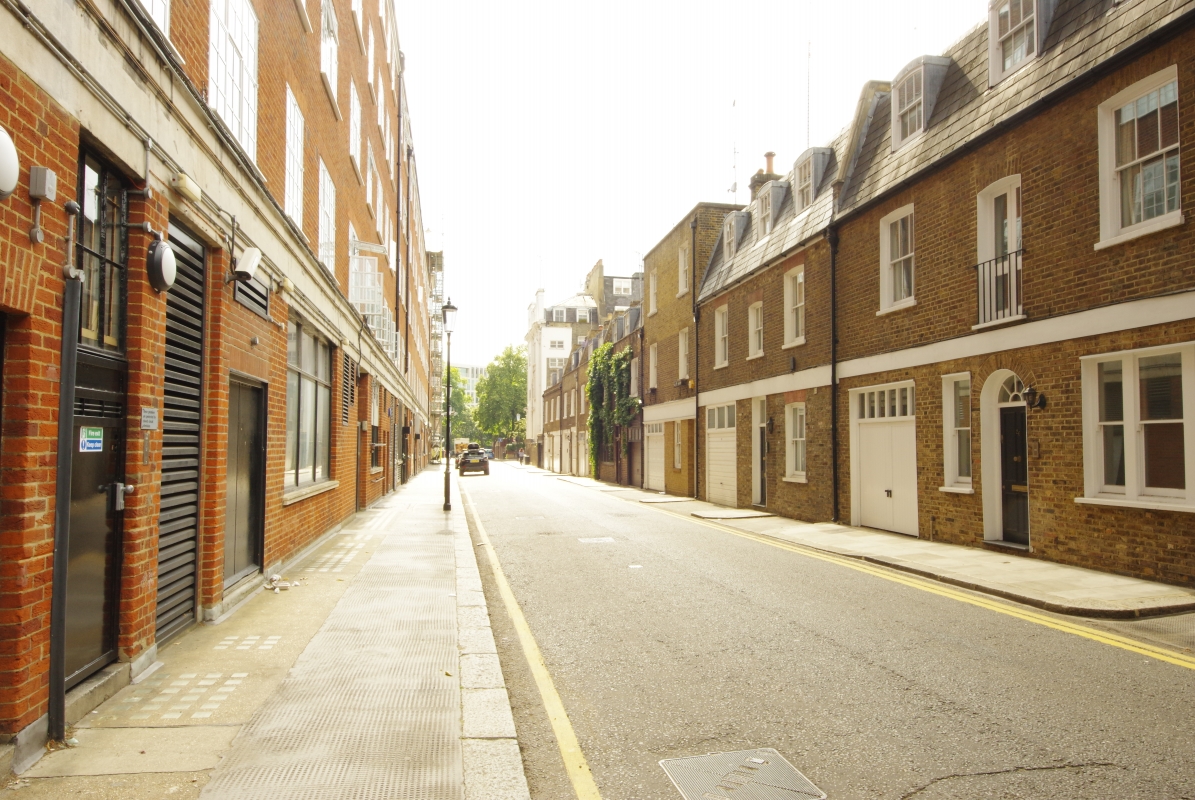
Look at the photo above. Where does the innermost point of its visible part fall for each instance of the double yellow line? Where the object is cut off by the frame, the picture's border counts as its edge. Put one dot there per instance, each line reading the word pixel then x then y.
pixel 570 750
pixel 943 590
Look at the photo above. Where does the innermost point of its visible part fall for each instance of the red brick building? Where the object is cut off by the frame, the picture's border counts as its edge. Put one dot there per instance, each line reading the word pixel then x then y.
pixel 998 313
pixel 165 443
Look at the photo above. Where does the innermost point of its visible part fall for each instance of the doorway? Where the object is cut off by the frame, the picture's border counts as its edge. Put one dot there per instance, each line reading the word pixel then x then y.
pixel 1014 475
pixel 96 515
pixel 243 510
pixel 759 450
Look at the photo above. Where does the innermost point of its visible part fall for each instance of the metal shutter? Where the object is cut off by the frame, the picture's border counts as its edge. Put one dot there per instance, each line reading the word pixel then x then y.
pixel 178 518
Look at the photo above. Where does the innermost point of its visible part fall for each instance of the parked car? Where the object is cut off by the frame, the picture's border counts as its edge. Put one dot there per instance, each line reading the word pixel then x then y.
pixel 489 453
pixel 474 459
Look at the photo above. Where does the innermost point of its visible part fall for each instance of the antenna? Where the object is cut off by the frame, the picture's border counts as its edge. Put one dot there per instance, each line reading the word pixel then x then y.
pixel 734 146
pixel 808 84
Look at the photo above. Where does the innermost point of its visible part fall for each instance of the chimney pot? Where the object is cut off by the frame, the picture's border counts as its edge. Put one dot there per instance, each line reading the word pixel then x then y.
pixel 768 156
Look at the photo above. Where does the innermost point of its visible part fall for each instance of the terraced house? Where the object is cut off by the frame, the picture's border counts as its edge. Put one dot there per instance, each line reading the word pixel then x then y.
pixel 995 341
pixel 214 306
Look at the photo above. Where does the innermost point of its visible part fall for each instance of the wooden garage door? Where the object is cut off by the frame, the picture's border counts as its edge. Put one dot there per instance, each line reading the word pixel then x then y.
pixel 888 476
pixel 721 469
pixel 653 474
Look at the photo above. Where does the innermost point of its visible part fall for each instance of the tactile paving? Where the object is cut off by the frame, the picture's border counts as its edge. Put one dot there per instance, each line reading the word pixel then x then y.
pixel 367 710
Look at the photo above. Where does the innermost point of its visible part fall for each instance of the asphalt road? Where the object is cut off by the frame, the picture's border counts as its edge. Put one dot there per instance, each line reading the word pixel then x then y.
pixel 677 639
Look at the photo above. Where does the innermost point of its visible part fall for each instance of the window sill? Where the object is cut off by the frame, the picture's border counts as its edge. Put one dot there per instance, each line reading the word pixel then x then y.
pixel 956 489
pixel 301 7
pixel 721 366
pixel 375 470
pixel 356 169
pixel 996 323
pixel 795 479
pixel 682 293
pixel 330 90
pixel 1171 220
pixel 373 95
pixel 794 343
pixel 903 304
pixel 304 492
pixel 757 355
pixel 653 312
pixel 1124 502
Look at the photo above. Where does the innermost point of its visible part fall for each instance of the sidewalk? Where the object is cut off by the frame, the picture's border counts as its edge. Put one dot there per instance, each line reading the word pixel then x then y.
pixel 1044 584
pixel 375 676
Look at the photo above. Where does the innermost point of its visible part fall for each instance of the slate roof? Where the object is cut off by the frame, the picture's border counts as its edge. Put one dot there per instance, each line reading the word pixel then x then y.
pixel 789 232
pixel 1083 35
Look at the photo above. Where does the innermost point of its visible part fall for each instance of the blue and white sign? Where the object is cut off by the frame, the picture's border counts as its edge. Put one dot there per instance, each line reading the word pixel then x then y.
pixel 91 440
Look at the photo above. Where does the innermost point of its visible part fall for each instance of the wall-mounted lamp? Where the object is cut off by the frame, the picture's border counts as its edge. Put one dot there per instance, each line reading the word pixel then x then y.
pixel 160 265
pixel 10 165
pixel 1033 398
pixel 43 185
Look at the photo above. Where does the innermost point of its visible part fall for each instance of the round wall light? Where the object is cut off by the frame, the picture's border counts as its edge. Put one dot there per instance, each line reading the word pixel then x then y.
pixel 10 165
pixel 161 266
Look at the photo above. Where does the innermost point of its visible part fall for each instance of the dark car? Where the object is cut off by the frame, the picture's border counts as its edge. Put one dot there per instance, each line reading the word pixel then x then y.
pixel 474 459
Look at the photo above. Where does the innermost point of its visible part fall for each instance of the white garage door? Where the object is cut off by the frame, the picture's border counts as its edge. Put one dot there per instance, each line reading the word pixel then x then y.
pixel 888 476
pixel 653 454
pixel 721 468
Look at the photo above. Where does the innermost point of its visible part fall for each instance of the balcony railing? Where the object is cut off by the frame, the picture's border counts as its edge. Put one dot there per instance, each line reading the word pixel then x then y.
pixel 998 284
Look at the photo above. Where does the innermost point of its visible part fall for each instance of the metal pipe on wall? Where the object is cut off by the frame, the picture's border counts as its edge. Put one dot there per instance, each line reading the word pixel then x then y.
pixel 71 301
pixel 696 351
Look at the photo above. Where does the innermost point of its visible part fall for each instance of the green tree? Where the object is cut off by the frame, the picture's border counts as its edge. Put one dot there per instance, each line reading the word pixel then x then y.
pixel 502 395
pixel 464 423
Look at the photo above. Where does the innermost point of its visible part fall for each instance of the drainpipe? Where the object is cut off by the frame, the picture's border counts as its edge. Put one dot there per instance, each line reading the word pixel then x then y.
pixel 832 236
pixel 696 351
pixel 71 300
pixel 642 397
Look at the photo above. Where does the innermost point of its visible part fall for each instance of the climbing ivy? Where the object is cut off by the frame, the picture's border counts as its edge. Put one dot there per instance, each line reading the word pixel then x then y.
pixel 610 401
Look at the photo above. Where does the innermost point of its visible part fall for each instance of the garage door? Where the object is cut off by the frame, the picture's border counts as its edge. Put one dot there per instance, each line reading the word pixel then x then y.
pixel 721 459
pixel 888 476
pixel 653 454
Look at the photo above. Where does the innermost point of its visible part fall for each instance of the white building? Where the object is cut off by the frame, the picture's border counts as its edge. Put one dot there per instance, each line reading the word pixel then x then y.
pixel 552 331
pixel 470 375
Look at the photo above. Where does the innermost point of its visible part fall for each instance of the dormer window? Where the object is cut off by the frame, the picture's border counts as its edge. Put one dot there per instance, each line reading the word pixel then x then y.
pixel 804 185
pixel 622 286
pixel 1016 31
pixel 771 195
pixel 765 212
pixel 558 315
pixel 1014 26
pixel 908 106
pixel 913 94
pixel 732 230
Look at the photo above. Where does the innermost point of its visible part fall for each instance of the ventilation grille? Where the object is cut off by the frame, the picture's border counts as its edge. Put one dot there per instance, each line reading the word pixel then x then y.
pixel 254 295
pixel 90 407
pixel 348 388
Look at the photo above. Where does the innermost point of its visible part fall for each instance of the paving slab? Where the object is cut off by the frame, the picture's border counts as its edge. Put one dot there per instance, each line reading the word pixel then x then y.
pixel 130 751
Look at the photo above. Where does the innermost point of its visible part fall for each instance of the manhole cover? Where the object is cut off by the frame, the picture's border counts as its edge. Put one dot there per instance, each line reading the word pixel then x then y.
pixel 761 774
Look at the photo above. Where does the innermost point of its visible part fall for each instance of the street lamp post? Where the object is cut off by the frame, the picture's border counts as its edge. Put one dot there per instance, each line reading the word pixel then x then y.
pixel 449 319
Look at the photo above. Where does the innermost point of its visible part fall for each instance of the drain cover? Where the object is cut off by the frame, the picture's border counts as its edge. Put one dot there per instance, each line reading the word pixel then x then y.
pixel 761 774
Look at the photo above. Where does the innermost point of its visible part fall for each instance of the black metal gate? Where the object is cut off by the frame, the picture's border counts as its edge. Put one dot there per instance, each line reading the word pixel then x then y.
pixel 178 520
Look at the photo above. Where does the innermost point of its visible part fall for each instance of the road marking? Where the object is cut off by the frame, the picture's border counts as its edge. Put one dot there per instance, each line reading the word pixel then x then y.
pixel 933 587
pixel 570 750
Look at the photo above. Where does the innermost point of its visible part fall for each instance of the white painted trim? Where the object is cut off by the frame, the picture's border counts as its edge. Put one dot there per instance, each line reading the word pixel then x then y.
pixel 949 468
pixel 989 455
pixel 1155 505
pixel 667 412
pixel 985 202
pixel 1093 322
pixel 999 323
pixel 1111 232
pixel 886 260
pixel 794 343
pixel 956 489
pixel 1171 220
pixel 790 382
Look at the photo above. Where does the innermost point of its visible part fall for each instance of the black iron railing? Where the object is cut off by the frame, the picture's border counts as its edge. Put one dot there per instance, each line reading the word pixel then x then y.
pixel 998 284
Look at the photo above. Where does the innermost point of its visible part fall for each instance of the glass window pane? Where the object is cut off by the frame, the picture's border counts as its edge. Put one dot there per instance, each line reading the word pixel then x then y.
pixel 721 416
pixel 322 361
pixel 307 353
pixel 710 418
pixel 322 437
pixel 730 416
pixel 292 344
pixel 292 424
pixel 1113 442
pixel 1111 388
pixel 306 428
pixel 1161 380
pixel 963 440
pixel 1165 466
pixel 962 404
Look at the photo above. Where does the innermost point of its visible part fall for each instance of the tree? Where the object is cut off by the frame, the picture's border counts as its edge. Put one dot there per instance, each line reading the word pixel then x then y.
pixel 464 425
pixel 502 395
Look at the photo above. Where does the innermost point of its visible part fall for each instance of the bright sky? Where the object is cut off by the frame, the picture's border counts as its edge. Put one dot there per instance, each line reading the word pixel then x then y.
pixel 550 134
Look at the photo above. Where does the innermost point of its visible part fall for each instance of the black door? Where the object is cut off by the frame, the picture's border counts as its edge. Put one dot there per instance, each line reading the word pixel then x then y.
pixel 1014 475
pixel 178 516
pixel 763 465
pixel 243 513
pixel 97 497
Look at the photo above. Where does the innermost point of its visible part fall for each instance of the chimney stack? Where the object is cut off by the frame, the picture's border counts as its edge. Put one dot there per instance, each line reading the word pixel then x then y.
pixel 763 176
